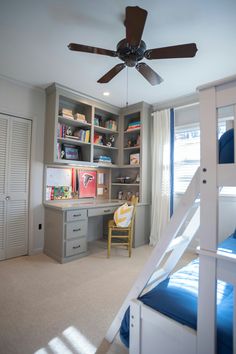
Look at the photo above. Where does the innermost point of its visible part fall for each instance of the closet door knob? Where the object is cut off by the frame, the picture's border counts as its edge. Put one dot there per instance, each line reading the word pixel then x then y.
pixel 8 197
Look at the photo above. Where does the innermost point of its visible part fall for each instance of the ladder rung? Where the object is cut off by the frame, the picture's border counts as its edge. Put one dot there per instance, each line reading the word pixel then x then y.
pixel 176 242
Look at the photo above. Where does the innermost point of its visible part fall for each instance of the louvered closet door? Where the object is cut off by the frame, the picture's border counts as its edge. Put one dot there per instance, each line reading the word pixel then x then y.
pixel 4 135
pixel 17 187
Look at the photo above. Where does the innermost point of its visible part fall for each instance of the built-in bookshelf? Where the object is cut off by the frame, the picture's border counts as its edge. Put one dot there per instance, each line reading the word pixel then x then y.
pixel 134 155
pixel 81 131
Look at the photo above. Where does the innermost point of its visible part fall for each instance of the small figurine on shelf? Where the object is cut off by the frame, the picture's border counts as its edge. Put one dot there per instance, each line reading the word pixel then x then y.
pixel 120 195
pixel 110 141
pixel 137 179
pixel 129 143
pixel 69 131
pixel 129 196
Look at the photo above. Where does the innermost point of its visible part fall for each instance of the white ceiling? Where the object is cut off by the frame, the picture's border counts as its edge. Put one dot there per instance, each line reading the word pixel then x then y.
pixel 34 35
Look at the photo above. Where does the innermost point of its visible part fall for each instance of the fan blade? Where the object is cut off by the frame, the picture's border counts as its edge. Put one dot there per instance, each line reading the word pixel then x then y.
pixel 87 49
pixel 134 22
pixel 110 74
pixel 176 51
pixel 149 74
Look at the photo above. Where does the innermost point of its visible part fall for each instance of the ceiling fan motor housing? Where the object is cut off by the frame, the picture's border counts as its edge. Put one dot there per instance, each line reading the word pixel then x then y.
pixel 129 54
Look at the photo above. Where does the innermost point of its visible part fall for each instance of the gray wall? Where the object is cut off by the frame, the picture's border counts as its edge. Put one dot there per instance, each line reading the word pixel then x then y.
pixel 24 101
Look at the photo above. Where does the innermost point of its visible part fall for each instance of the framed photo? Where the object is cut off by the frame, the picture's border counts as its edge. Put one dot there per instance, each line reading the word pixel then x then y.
pixel 134 159
pixel 87 184
pixel 71 152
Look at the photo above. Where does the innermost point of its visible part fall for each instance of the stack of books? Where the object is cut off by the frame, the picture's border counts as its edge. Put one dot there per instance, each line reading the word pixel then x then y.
pixel 81 135
pixel 106 160
pixel 66 113
pixel 80 117
pixel 111 124
pixel 133 125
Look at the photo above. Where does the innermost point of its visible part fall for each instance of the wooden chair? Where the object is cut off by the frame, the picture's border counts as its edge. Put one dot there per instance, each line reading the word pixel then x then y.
pixel 121 236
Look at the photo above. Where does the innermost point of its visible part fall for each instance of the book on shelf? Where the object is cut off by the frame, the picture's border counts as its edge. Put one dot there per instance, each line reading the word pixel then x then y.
pixel 98 139
pixel 64 131
pixel 111 124
pixel 80 117
pixel 103 159
pixel 133 125
pixel 66 113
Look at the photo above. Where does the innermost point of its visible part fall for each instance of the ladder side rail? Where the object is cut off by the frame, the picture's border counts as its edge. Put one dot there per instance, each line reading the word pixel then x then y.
pixel 177 252
pixel 156 257
pixel 206 326
pixel 189 233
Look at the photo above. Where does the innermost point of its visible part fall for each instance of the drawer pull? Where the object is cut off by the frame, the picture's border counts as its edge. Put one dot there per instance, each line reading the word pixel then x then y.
pixel 76 247
pixel 74 230
pixel 76 215
pixel 107 210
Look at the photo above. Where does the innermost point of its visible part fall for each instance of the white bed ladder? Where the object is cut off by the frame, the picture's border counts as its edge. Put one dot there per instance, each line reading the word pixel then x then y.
pixel 169 243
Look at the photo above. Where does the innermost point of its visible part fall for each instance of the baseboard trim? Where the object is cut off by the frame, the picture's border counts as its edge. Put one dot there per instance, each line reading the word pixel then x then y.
pixel 35 251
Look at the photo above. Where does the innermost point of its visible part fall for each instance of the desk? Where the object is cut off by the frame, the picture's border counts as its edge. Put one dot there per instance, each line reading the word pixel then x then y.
pixel 66 226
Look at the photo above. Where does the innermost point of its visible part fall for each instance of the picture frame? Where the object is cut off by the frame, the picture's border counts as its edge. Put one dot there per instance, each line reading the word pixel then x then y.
pixel 71 152
pixel 87 184
pixel 134 159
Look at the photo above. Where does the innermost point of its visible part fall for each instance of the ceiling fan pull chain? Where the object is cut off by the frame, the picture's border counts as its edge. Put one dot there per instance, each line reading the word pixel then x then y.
pixel 127 86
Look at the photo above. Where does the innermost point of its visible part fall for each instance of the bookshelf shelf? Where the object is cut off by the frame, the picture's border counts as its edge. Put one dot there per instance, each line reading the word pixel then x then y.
pixel 72 141
pixel 105 147
pixel 73 122
pixel 126 184
pixel 131 131
pixel 132 148
pixel 99 129
pixel 130 166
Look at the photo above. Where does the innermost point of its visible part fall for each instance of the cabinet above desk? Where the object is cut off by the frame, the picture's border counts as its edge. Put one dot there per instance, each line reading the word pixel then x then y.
pixel 66 226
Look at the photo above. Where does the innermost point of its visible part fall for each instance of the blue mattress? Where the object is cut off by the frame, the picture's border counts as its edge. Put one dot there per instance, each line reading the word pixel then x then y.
pixel 176 297
pixel 226 147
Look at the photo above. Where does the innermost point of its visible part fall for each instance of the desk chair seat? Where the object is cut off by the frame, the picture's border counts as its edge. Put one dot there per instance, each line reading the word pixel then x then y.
pixel 121 236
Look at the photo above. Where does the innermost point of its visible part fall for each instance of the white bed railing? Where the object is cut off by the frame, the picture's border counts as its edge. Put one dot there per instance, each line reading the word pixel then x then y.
pixel 212 263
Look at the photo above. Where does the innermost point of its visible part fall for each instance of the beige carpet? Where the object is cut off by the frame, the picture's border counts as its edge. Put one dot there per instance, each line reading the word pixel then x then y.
pixel 50 308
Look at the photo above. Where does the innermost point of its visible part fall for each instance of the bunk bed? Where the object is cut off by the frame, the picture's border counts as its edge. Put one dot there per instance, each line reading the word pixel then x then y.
pixel 209 327
pixel 176 296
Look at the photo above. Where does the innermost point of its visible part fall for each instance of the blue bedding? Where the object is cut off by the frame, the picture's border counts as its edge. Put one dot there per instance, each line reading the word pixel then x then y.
pixel 226 147
pixel 176 297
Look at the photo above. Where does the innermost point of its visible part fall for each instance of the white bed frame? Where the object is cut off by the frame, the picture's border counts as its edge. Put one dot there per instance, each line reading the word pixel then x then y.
pixel 150 331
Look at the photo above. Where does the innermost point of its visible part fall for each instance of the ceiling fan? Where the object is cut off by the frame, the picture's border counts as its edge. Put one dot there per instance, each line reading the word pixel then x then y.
pixel 132 49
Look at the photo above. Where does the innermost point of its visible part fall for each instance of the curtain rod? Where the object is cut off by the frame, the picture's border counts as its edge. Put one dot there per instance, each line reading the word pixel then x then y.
pixel 178 102
pixel 177 107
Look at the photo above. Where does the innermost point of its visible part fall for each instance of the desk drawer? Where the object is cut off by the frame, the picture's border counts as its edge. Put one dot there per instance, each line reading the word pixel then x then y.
pixel 73 215
pixel 77 246
pixel 76 229
pixel 101 211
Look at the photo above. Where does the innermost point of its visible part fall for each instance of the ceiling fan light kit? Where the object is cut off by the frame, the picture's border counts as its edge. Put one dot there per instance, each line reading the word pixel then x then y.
pixel 132 49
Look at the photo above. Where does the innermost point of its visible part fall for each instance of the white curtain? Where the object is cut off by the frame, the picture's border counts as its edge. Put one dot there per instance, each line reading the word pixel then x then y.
pixel 160 213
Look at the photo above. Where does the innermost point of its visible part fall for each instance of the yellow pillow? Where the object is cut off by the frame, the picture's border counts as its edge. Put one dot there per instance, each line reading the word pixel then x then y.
pixel 123 215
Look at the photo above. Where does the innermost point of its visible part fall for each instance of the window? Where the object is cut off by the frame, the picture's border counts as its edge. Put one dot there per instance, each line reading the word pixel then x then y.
pixel 187 153
pixel 186 156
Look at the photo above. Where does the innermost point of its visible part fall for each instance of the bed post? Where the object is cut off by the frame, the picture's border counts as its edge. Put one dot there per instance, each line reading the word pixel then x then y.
pixel 206 326
pixel 134 328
